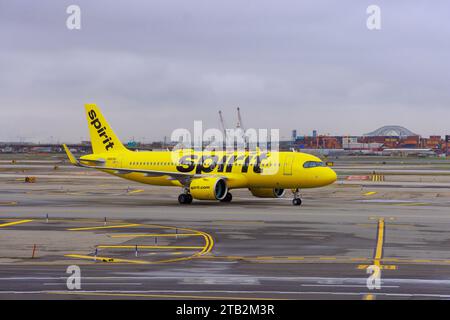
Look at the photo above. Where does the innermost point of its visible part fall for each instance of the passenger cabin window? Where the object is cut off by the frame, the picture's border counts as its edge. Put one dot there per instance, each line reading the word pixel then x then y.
pixel 313 164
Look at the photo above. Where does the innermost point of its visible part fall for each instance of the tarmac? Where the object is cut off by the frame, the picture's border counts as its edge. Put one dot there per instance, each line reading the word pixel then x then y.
pixel 134 241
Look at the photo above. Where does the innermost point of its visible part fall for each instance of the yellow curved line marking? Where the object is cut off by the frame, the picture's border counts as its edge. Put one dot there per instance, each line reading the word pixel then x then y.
pixel 207 248
pixel 209 242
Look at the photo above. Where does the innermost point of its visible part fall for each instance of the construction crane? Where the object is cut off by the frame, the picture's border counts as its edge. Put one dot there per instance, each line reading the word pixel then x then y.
pixel 222 123
pixel 240 126
pixel 239 123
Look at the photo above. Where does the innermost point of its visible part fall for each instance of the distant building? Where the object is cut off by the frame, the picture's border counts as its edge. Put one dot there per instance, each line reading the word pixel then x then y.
pixel 354 143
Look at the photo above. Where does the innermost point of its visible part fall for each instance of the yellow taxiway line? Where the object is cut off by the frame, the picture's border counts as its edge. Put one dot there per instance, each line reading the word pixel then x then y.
pixel 108 259
pixel 137 235
pixel 104 227
pixel 370 193
pixel 410 204
pixel 8 203
pixel 14 223
pixel 280 259
pixel 136 191
pixel 172 296
pixel 382 267
pixel 147 247
pixel 380 241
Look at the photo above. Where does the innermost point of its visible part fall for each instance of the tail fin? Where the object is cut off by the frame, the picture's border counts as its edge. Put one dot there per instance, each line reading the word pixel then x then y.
pixel 103 138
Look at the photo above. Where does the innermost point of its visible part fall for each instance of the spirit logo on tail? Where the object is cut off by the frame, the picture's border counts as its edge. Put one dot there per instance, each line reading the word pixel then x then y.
pixel 100 130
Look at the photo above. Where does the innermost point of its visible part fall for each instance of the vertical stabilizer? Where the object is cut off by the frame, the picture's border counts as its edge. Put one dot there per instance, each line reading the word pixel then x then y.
pixel 103 138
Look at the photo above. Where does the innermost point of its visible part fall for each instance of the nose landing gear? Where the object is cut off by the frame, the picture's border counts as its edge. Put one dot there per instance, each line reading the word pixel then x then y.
pixel 296 201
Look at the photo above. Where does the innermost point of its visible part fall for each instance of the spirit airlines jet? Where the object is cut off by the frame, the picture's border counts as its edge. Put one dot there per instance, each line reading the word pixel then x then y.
pixel 203 175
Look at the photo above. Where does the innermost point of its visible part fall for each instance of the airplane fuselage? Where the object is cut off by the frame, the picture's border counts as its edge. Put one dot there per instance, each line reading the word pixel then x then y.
pixel 242 169
pixel 203 175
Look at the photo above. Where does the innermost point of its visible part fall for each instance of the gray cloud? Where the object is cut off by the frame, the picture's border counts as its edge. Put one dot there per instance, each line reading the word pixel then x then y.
pixel 158 65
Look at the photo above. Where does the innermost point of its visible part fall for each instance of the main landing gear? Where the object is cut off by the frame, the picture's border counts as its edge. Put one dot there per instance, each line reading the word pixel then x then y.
pixel 296 201
pixel 185 198
pixel 227 198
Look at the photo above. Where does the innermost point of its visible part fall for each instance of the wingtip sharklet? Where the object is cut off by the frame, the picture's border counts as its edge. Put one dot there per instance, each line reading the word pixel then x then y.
pixel 70 155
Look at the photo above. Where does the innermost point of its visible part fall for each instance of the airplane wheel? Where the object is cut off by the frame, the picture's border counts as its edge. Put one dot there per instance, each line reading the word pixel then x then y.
pixel 227 198
pixel 297 201
pixel 184 198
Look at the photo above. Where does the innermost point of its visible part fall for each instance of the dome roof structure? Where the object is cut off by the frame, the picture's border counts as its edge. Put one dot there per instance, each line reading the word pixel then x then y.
pixel 391 131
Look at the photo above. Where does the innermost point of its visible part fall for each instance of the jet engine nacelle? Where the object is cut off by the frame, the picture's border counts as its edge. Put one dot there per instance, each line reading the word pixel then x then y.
pixel 210 188
pixel 267 192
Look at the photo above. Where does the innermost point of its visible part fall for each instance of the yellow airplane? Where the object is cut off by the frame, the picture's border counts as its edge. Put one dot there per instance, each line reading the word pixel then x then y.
pixel 203 175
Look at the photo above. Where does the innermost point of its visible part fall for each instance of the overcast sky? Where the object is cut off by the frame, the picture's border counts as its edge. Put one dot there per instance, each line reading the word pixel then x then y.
pixel 154 66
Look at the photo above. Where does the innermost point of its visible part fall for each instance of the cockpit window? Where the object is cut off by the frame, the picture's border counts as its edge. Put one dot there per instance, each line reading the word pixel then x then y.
pixel 313 164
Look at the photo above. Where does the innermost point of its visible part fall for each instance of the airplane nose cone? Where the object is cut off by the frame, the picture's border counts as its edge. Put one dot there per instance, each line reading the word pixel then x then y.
pixel 329 177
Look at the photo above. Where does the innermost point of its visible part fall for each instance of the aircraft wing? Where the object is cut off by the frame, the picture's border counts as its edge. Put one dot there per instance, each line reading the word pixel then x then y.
pixel 184 178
